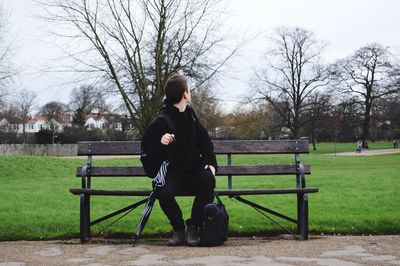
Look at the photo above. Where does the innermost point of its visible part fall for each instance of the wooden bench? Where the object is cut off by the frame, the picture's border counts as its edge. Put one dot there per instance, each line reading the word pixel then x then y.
pixel 226 147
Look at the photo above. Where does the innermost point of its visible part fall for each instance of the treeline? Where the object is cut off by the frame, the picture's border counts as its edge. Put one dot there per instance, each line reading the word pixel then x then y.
pixel 328 119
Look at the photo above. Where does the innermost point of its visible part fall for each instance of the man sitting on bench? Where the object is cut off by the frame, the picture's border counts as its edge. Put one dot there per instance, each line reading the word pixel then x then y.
pixel 192 162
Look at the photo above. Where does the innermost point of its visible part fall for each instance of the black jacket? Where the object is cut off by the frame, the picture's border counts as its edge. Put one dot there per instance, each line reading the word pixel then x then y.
pixel 192 148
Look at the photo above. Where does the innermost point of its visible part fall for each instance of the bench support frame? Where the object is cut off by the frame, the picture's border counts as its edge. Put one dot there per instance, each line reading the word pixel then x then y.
pixel 302 200
pixel 85 201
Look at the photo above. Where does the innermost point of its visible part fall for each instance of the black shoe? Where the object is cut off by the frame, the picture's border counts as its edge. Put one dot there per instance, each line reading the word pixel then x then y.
pixel 177 239
pixel 193 238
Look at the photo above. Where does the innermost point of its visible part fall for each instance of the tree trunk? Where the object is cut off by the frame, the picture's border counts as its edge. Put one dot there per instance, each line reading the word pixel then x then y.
pixel 296 127
pixel 295 133
pixel 367 118
pixel 313 136
pixel 23 133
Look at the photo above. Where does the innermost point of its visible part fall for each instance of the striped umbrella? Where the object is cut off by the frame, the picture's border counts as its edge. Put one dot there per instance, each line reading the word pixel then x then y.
pixel 158 181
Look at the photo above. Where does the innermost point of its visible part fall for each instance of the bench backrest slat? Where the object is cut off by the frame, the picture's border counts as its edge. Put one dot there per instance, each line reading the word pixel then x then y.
pixel 222 171
pixel 220 147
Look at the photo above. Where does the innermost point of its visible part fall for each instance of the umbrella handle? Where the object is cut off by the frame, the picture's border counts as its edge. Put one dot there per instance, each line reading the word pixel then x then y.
pixel 134 241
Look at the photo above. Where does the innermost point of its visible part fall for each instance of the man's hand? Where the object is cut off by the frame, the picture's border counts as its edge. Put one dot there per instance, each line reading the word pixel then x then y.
pixel 211 168
pixel 167 139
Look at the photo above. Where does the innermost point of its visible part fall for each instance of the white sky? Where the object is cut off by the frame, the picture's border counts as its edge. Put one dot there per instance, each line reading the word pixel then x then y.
pixel 344 24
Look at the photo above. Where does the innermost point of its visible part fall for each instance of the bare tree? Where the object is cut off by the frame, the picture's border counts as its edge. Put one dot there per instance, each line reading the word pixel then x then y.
pixel 319 110
pixel 369 74
pixel 24 103
pixel 10 124
pixel 347 120
pixel 271 122
pixel 292 74
pixel 86 98
pixel 207 109
pixel 6 70
pixel 393 112
pixel 54 112
pixel 137 45
pixel 385 117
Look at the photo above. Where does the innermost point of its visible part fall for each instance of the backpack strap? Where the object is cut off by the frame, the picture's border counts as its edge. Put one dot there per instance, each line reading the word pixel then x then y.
pixel 219 201
pixel 168 119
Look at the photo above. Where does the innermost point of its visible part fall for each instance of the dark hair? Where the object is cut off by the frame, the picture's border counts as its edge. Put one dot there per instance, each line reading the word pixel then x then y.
pixel 174 88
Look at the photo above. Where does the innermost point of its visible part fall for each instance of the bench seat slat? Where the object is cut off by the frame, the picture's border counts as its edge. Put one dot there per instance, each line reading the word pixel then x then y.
pixel 222 171
pixel 220 147
pixel 78 191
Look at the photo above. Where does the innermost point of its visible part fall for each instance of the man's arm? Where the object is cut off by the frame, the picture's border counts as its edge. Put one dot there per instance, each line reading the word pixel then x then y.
pixel 157 149
pixel 206 147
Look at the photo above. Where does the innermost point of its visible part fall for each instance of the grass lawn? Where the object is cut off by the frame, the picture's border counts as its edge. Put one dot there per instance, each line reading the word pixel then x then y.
pixel 331 147
pixel 358 195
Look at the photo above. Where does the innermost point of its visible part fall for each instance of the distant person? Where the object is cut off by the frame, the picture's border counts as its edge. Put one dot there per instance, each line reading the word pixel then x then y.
pixel 365 146
pixel 359 146
pixel 395 144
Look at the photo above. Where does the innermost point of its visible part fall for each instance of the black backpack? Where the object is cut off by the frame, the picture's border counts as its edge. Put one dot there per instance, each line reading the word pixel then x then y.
pixel 152 165
pixel 214 228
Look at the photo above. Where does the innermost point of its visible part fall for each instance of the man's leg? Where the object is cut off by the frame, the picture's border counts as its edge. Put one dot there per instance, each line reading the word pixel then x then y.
pixel 202 185
pixel 166 197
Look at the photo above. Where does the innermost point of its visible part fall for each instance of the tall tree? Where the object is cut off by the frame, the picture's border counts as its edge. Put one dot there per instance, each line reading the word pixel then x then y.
pixel 86 98
pixel 6 70
pixel 24 102
pixel 206 107
pixel 54 112
pixel 347 117
pixel 138 44
pixel 319 109
pixel 79 117
pixel 386 117
pixel 393 113
pixel 367 75
pixel 293 72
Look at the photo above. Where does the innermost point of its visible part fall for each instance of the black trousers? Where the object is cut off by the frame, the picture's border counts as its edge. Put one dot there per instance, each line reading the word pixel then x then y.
pixel 200 183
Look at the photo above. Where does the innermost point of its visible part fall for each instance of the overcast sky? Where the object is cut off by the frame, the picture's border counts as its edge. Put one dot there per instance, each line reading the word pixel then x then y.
pixel 344 24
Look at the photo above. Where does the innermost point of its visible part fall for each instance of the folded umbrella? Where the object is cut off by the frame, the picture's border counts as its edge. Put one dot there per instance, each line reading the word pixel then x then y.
pixel 158 181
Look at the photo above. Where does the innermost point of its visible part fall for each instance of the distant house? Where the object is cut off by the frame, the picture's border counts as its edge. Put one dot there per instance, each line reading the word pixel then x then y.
pixel 4 125
pixel 102 121
pixel 40 122
pixel 7 127
pixel 91 123
pixel 35 124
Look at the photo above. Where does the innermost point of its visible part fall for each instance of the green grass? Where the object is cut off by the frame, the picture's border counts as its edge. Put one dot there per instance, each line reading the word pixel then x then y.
pixel 330 147
pixel 357 195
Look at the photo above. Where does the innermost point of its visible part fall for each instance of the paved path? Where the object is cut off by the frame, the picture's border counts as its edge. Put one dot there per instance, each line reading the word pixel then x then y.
pixel 319 250
pixel 367 152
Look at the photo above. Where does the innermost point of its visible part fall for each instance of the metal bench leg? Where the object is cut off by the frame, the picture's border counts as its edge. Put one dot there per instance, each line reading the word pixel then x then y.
pixel 302 215
pixel 299 212
pixel 84 219
pixel 88 216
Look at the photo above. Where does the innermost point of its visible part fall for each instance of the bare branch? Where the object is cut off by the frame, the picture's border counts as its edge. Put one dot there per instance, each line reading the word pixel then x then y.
pixel 294 74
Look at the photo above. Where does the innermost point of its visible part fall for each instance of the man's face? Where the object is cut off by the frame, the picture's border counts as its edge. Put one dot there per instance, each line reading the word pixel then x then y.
pixel 187 96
